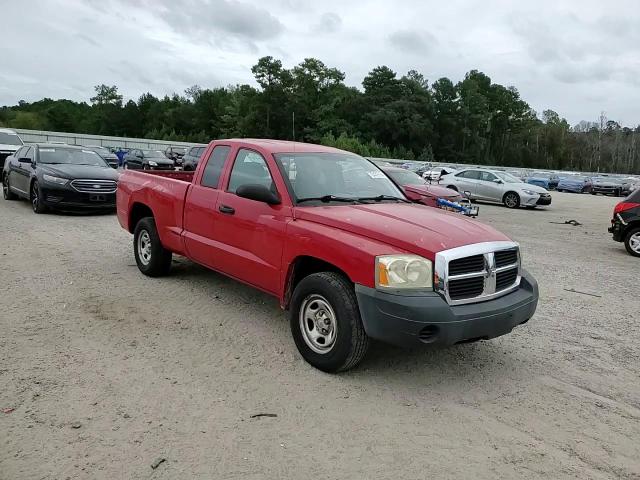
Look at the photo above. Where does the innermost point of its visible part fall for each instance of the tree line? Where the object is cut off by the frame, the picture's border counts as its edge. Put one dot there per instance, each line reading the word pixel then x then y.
pixel 472 121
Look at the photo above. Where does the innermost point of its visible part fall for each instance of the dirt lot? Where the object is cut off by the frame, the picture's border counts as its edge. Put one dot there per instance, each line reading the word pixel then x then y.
pixel 109 371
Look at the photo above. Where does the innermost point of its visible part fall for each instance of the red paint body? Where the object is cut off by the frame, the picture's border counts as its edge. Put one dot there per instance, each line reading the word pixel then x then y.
pixel 429 194
pixel 260 242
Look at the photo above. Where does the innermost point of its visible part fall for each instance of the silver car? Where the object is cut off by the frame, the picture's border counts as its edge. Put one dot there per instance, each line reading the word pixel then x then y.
pixel 497 186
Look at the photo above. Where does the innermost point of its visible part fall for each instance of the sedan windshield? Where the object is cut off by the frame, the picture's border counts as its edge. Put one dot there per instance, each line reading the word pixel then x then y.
pixel 10 139
pixel 405 177
pixel 337 177
pixel 71 156
pixel 508 178
pixel 153 154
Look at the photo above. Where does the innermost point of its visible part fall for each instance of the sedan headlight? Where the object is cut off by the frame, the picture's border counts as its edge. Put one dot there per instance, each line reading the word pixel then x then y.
pixel 152 163
pixel 403 272
pixel 55 180
pixel 530 192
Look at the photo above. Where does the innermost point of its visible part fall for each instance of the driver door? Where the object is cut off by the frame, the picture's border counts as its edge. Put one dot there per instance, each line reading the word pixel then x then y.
pixel 489 187
pixel 22 171
pixel 467 181
pixel 250 233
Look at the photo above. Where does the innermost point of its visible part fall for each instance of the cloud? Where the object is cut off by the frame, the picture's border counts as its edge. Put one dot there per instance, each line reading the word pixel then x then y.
pixel 329 23
pixel 412 41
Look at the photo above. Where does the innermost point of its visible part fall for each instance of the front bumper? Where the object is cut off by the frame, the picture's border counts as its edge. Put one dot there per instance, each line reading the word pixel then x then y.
pixel 412 320
pixel 544 200
pixel 70 199
pixel 606 190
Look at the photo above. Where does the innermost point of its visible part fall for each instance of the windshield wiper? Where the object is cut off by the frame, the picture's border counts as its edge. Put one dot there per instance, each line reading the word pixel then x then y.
pixel 328 198
pixel 380 198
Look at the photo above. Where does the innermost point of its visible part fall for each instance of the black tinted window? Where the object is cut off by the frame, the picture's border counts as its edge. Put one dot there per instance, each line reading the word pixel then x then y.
pixel 249 169
pixel 212 170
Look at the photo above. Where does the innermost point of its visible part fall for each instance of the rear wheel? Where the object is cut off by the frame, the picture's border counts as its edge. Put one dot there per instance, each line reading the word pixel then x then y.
pixel 511 200
pixel 325 322
pixel 632 242
pixel 6 190
pixel 36 198
pixel 151 257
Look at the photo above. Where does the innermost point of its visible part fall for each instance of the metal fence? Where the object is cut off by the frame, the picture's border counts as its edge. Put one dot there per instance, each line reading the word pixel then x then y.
pixel 36 136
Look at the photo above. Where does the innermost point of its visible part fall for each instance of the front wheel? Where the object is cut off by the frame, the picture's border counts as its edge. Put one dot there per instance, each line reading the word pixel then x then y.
pixel 152 258
pixel 511 200
pixel 325 322
pixel 632 242
pixel 36 199
pixel 6 189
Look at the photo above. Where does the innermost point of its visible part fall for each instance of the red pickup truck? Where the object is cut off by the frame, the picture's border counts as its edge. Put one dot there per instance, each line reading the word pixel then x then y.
pixel 336 241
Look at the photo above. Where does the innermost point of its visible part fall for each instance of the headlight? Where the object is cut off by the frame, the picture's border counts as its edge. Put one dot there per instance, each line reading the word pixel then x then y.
pixel 403 271
pixel 152 163
pixel 56 180
pixel 530 192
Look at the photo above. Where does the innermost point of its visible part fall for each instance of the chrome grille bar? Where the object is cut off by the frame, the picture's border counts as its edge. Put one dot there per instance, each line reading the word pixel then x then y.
pixel 94 186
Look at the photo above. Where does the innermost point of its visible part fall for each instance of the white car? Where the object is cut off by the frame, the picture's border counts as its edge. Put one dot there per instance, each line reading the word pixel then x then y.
pixel 496 186
pixel 10 142
pixel 436 174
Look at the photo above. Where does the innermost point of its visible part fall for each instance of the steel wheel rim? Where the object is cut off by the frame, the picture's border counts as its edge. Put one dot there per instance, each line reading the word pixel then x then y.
pixel 511 200
pixel 144 247
pixel 35 199
pixel 318 324
pixel 634 242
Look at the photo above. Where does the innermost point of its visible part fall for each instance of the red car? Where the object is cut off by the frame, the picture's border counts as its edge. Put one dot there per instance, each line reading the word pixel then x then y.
pixel 336 241
pixel 418 190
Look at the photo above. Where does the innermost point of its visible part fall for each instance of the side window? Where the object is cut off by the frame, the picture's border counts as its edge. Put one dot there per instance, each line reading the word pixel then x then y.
pixel 213 168
pixel 200 151
pixel 470 174
pixel 250 168
pixel 28 153
pixel 487 176
pixel 20 152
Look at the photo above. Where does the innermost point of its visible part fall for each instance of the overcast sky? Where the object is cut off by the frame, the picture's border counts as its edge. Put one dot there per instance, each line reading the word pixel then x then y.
pixel 575 57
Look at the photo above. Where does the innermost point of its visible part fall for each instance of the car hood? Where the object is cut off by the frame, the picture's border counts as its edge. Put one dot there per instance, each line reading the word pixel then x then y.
pixel 606 183
pixel 414 228
pixel 432 191
pixel 161 161
pixel 8 147
pixel 80 171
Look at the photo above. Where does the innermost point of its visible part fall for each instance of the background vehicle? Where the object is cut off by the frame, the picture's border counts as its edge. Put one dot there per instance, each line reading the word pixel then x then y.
pixel 138 159
pixel 418 190
pixel 10 141
pixel 545 180
pixel 57 176
pixel 106 154
pixel 192 157
pixel 496 186
pixel 625 224
pixel 607 186
pixel 336 241
pixel 176 154
pixel 436 173
pixel 574 183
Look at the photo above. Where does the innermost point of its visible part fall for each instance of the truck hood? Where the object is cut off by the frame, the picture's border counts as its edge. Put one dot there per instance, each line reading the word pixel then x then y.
pixel 414 228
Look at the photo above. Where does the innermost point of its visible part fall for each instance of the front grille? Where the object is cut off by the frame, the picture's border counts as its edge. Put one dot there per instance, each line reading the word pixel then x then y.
pixel 466 288
pixel 506 279
pixel 506 257
pixel 94 186
pixel 477 272
pixel 465 265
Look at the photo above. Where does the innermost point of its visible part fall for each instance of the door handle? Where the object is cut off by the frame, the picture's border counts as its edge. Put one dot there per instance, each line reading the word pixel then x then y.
pixel 226 209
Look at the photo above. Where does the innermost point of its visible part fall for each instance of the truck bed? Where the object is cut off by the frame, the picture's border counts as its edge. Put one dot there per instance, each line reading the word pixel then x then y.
pixel 176 174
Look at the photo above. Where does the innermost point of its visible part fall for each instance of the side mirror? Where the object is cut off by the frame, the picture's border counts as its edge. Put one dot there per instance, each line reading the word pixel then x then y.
pixel 259 193
pixel 24 160
pixel 467 193
pixel 497 180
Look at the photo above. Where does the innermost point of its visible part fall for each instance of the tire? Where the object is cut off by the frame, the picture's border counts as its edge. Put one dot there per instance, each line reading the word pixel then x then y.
pixel 152 258
pixel 6 191
pixel 36 199
pixel 594 193
pixel 511 200
pixel 145 167
pixel 632 242
pixel 332 297
pixel 452 187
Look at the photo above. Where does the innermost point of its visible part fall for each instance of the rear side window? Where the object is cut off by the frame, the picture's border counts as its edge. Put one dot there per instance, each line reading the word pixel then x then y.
pixel 472 174
pixel 213 168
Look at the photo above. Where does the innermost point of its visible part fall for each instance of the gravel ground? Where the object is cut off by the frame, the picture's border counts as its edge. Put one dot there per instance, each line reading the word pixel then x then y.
pixel 109 371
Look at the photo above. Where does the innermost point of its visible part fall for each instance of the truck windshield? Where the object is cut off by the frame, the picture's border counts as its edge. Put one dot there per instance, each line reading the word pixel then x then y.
pixel 335 176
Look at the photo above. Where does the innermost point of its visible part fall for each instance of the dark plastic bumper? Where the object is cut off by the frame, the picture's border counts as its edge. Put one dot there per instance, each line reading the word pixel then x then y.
pixel 412 320
pixel 544 201
pixel 66 198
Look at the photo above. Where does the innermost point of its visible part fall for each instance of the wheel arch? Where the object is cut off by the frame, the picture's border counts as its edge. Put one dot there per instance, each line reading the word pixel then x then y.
pixel 303 266
pixel 137 212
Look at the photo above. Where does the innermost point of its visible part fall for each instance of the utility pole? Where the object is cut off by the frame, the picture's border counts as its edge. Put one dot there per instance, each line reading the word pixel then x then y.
pixel 293 128
pixel 603 119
